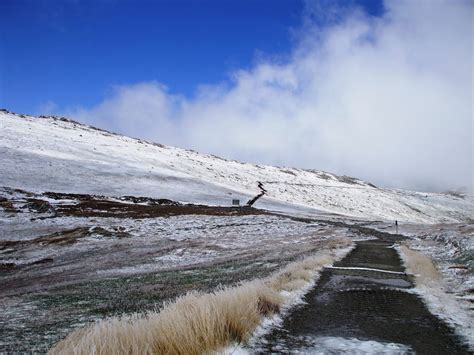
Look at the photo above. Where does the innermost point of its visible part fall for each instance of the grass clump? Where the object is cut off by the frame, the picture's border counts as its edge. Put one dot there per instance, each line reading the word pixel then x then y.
pixel 197 323
pixel 193 324
pixel 419 265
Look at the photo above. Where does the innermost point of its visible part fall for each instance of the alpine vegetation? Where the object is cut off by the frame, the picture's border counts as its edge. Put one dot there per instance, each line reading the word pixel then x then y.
pixel 293 178
pixel 198 323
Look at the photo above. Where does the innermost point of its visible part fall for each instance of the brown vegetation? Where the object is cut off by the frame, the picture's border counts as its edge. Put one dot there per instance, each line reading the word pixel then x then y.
pixel 197 323
pixel 419 265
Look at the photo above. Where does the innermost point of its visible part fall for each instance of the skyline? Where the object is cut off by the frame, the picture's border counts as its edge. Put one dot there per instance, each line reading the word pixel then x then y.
pixel 376 90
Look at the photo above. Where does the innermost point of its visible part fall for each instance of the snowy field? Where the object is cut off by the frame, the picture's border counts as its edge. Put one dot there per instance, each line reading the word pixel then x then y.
pixel 67 260
pixel 52 154
pixel 60 272
pixel 123 246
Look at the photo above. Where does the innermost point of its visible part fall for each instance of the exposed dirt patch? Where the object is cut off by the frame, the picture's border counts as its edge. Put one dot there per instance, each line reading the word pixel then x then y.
pixel 43 261
pixel 7 266
pixel 84 205
pixel 7 205
pixel 458 194
pixel 348 180
pixel 39 206
pixel 87 197
pixel 107 208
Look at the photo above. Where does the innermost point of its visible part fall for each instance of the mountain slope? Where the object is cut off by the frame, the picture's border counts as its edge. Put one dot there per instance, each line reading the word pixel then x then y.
pixel 56 154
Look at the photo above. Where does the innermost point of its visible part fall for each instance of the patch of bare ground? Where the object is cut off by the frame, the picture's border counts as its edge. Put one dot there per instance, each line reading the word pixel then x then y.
pixel 106 208
pixel 57 204
pixel 38 205
pixel 7 205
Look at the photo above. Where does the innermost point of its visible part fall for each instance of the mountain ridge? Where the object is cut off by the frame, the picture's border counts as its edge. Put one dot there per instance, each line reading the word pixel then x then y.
pixel 51 153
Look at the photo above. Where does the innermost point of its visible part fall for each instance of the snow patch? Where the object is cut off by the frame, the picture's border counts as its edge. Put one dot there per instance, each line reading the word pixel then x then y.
pixel 64 156
pixel 336 345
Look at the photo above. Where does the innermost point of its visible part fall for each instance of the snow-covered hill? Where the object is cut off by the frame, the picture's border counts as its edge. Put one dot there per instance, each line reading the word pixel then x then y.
pixel 56 154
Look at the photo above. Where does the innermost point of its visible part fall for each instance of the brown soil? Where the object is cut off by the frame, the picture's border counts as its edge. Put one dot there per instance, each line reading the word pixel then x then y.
pixel 84 205
pixel 106 208
pixel 39 206
pixel 7 205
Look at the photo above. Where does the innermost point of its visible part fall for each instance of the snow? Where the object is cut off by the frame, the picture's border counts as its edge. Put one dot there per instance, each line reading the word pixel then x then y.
pixel 49 154
pixel 445 306
pixel 337 345
pixel 450 246
pixel 151 244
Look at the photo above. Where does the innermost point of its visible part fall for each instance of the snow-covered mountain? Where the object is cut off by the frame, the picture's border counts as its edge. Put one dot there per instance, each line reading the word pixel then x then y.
pixel 57 154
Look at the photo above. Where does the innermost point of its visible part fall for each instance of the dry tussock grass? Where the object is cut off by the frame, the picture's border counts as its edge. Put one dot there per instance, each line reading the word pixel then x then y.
pixel 420 265
pixel 295 276
pixel 196 323
pixel 193 324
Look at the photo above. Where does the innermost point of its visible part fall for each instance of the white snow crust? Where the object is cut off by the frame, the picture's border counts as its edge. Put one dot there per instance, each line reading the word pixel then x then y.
pixel 53 154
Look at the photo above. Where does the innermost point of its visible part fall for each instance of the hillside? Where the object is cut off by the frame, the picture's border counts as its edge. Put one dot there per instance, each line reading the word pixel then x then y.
pixel 96 224
pixel 60 155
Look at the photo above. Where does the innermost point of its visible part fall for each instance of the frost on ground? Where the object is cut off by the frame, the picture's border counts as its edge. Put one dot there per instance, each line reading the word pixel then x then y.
pixel 56 154
pixel 60 272
pixel 336 345
pixel 293 292
pixel 66 260
pixel 442 259
pixel 203 323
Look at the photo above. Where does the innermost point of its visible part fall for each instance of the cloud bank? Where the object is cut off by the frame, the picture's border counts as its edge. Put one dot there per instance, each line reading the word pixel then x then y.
pixel 387 99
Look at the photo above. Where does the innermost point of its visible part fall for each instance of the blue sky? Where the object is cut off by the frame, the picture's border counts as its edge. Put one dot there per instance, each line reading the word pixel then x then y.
pixel 380 90
pixel 72 52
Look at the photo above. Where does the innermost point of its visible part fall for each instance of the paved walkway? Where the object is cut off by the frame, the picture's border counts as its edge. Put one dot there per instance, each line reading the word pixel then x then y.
pixel 364 296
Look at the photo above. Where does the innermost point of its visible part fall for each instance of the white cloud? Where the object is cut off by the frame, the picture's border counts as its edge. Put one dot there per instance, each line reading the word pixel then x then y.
pixel 387 99
pixel 47 108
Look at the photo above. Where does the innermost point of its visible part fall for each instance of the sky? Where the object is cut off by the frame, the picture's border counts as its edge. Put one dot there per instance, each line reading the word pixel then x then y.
pixel 380 90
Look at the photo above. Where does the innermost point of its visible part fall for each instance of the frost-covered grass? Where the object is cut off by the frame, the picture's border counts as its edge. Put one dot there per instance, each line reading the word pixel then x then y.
pixel 199 323
pixel 133 266
pixel 193 324
pixel 153 244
